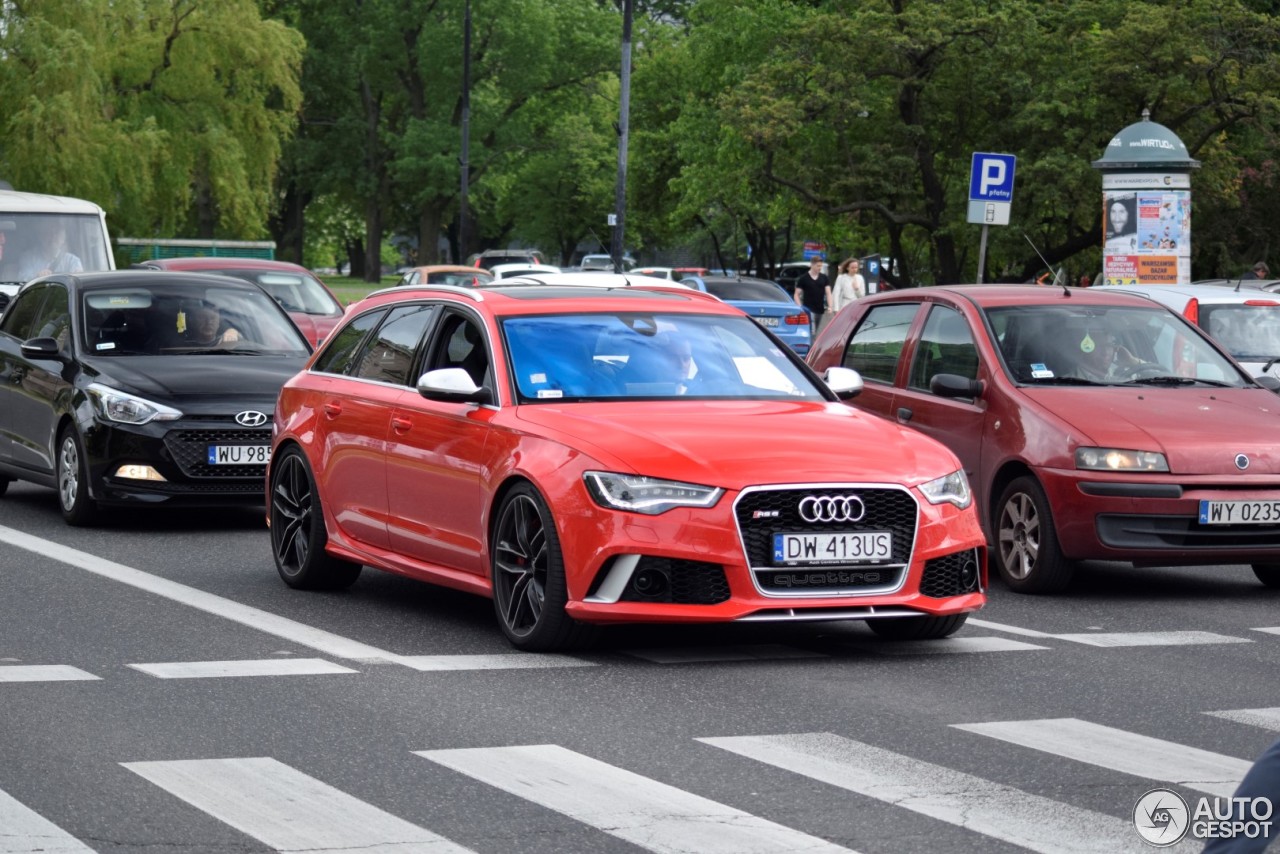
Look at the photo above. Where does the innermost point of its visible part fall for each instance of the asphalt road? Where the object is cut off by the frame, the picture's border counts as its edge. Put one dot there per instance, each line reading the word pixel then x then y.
pixel 162 691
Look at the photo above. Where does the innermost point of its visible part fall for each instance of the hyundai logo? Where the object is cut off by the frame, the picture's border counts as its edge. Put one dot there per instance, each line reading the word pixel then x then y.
pixel 832 508
pixel 251 418
pixel 1242 462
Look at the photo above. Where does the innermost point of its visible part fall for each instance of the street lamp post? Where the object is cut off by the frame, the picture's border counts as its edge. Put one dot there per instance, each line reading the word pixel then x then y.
pixel 464 160
pixel 620 198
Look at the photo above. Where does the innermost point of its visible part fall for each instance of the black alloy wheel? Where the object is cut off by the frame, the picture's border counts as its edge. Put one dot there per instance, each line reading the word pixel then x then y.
pixel 78 509
pixel 529 590
pixel 298 536
pixel 1027 554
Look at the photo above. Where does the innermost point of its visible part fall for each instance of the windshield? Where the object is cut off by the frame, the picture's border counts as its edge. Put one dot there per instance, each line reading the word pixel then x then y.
pixel 744 290
pixel 37 244
pixel 1107 345
pixel 150 318
pixel 629 356
pixel 299 293
pixel 1251 333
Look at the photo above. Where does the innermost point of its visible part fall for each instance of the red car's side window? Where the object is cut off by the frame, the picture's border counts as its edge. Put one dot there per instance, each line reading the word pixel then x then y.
pixel 877 343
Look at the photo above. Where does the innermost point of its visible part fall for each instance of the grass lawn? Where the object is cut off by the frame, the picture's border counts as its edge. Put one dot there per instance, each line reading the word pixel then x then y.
pixel 350 290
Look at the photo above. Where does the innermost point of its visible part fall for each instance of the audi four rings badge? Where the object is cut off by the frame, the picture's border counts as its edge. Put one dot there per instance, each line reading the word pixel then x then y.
pixel 832 508
pixel 250 418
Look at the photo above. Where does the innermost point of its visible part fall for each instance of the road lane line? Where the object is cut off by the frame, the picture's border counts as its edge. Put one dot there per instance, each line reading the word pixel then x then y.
pixel 1264 718
pixel 288 810
pixel 1002 627
pixel 257 667
pixel 976 804
pixel 1123 751
pixel 1150 638
pixel 639 810
pixel 499 661
pixel 255 618
pixel 24 831
pixel 43 673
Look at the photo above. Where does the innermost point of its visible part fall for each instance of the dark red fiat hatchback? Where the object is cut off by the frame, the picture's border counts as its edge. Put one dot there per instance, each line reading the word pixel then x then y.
pixel 1092 425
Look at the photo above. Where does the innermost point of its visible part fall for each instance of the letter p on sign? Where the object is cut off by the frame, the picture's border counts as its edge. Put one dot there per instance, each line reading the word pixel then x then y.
pixel 992 175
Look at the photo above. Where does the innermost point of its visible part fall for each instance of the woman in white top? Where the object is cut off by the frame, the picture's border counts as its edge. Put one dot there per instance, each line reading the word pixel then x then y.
pixel 849 284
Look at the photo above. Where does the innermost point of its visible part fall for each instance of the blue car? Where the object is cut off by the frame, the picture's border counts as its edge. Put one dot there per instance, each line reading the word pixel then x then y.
pixel 765 302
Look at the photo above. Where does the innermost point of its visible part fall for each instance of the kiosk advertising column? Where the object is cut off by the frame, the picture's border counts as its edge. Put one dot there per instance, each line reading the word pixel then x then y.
pixel 1146 206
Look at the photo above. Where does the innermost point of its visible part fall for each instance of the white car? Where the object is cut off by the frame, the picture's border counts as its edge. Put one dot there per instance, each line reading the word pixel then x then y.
pixel 605 263
pixel 506 271
pixel 1245 322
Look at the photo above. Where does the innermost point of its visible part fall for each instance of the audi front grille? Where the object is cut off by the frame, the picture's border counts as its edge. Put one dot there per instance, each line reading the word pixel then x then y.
pixel 885 515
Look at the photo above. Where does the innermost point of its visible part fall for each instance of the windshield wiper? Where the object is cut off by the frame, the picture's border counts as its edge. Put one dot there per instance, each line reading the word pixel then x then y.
pixel 1066 381
pixel 1170 380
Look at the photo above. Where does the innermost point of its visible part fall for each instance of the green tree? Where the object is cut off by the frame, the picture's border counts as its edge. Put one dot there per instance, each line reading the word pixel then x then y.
pixel 171 114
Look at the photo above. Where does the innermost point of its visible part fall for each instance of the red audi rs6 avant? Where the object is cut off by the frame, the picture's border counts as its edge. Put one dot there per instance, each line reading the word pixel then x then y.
pixel 611 453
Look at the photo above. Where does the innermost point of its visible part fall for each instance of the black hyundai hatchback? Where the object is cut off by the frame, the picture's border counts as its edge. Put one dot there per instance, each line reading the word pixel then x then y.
pixel 142 387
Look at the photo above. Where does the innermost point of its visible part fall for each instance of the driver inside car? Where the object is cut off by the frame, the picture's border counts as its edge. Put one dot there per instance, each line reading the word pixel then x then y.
pixel 1102 358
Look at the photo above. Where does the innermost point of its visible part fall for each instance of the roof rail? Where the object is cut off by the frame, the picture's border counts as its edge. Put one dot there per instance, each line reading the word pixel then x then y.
pixel 455 290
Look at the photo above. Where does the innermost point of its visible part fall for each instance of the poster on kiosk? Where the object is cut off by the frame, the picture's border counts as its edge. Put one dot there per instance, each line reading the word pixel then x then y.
pixel 1147 229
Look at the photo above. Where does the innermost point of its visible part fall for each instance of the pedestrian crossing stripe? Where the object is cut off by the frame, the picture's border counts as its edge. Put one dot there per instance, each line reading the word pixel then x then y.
pixel 43 673
pixel 721 654
pixel 645 812
pixel 259 667
pixel 1264 718
pixel 288 810
pixel 24 831
pixel 992 809
pixel 1120 750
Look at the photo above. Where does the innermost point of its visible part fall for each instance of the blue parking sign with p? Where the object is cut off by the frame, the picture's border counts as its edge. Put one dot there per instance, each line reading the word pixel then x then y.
pixel 991 178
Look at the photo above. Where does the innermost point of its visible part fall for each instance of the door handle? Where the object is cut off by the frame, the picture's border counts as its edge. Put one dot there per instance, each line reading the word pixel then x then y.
pixel 401 425
pixel 333 410
pixel 904 414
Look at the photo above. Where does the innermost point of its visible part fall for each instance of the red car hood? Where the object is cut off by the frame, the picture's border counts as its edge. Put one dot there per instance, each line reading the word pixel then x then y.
pixel 1199 430
pixel 734 444
pixel 314 327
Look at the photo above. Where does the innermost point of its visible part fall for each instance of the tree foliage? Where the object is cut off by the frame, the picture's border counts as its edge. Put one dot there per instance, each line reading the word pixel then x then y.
pixel 171 114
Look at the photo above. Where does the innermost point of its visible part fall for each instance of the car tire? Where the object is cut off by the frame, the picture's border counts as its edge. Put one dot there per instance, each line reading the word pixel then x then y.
pixel 78 509
pixel 1027 554
pixel 1268 573
pixel 917 628
pixel 298 535
pixel 4 484
pixel 527 571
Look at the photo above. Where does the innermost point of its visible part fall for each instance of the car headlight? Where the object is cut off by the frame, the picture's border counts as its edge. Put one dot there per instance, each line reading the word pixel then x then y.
pixel 647 495
pixel 116 405
pixel 952 488
pixel 1119 459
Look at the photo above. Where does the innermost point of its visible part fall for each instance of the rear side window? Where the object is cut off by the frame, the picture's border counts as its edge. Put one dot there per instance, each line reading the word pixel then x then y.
pixel 877 343
pixel 340 352
pixel 946 347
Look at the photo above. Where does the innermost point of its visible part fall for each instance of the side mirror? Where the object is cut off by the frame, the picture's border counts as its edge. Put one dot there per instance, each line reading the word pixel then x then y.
pixel 954 385
pixel 42 348
pixel 845 383
pixel 451 385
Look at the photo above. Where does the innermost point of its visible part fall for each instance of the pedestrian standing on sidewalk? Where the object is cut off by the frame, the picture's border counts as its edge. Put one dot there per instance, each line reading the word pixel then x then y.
pixel 813 291
pixel 849 285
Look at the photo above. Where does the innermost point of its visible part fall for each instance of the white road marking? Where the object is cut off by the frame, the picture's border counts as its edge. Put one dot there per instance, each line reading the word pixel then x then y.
pixel 1271 630
pixel 1151 638
pixel 288 810
pixel 644 812
pixel 500 661
pixel 709 654
pixel 1264 718
pixel 976 804
pixel 1002 627
pixel 255 618
pixel 23 831
pixel 259 667
pixel 947 645
pixel 43 673
pixel 1119 750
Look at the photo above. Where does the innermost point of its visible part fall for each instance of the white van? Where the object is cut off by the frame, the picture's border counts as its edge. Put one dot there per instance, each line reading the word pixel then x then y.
pixel 42 234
